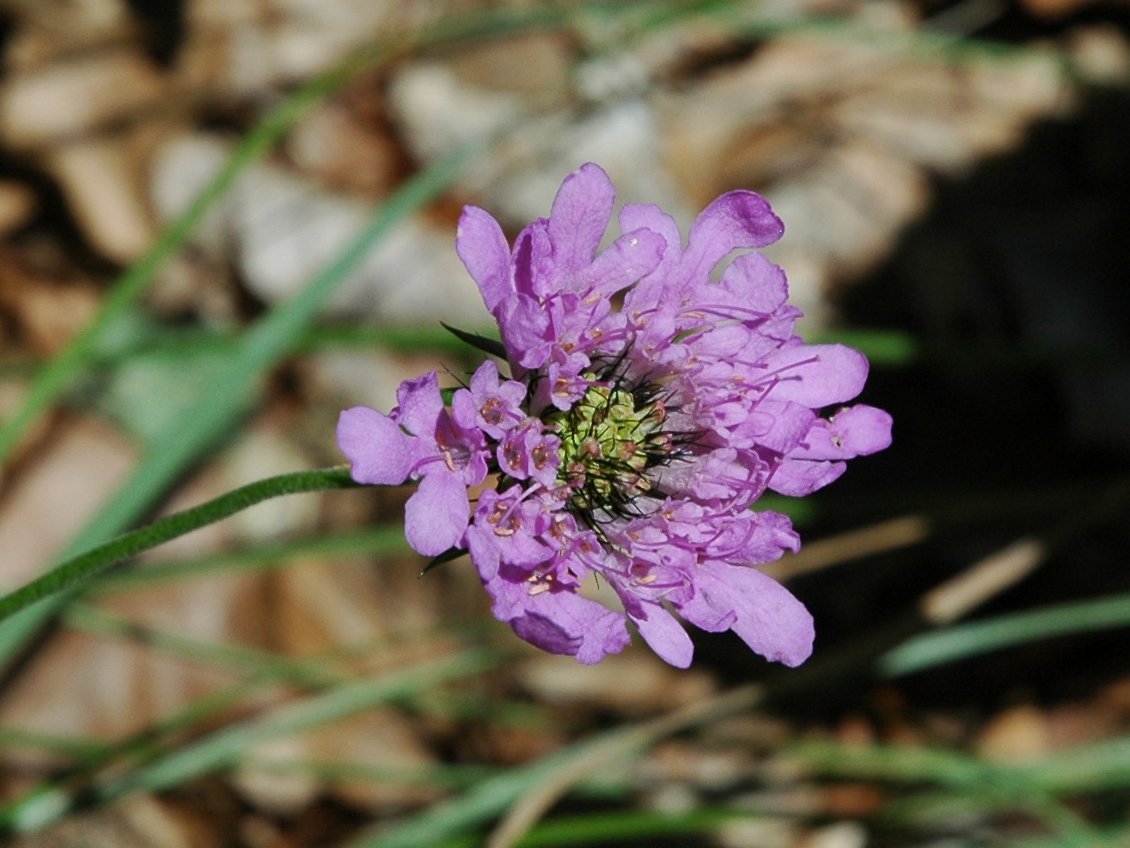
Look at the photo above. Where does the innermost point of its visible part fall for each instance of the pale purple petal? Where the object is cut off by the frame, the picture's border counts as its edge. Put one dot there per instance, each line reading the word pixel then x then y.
pixel 419 405
pixel 816 375
pixel 647 216
pixel 666 636
pixel 437 514
pixel 483 553
pixel 526 331
pixel 379 452
pixel 758 282
pixel 778 426
pixel 737 219
pixel 579 217
pixel 627 259
pixel 766 615
pixel 800 477
pixel 463 411
pixel 566 623
pixel 533 262
pixel 481 245
pixel 855 431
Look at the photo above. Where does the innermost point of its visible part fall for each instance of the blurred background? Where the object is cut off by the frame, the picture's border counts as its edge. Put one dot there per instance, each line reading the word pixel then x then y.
pixel 222 221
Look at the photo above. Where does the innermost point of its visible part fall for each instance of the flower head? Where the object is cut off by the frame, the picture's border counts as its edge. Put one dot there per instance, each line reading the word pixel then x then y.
pixel 648 406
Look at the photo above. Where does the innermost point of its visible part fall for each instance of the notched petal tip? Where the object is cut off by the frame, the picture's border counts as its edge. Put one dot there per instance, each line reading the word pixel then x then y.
pixel 579 216
pixel 481 245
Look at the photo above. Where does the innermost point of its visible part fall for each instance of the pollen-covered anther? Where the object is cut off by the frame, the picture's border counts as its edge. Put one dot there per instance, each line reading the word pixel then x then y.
pixel 540 456
pixel 539 583
pixel 492 411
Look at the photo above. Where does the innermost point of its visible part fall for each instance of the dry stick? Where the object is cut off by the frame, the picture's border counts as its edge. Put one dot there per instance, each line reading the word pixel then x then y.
pixel 942 605
pixel 524 814
pixel 881 538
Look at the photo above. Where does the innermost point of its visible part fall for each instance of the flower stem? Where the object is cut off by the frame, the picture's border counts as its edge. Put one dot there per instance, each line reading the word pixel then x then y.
pixel 86 565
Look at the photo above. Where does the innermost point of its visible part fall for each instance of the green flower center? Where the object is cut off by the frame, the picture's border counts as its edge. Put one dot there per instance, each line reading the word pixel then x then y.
pixel 609 438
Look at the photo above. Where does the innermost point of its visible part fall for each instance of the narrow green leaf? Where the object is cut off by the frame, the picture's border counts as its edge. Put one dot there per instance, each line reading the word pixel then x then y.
pixel 224 747
pixel 484 343
pixel 980 637
pixel 91 619
pixel 447 556
pixel 366 542
pixel 627 825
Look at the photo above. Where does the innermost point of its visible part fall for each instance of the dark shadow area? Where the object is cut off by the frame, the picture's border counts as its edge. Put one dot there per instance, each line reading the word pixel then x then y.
pixel 1014 421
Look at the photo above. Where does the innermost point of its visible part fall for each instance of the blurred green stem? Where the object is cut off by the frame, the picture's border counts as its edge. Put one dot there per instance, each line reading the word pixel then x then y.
pixel 85 566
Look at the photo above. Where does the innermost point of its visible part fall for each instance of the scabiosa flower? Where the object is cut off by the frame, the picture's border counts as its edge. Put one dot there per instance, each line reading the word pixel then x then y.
pixel 647 407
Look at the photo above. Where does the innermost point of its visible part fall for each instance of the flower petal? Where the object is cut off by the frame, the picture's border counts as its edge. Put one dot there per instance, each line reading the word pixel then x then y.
pixel 766 615
pixel 855 431
pixel 557 620
pixel 484 555
pixel 579 217
pixel 737 219
pixel 379 452
pixel 666 636
pixel 437 514
pixel 626 260
pixel 647 216
pixel 566 623
pixel 800 477
pixel 759 283
pixel 481 245
pixel 816 375
pixel 419 405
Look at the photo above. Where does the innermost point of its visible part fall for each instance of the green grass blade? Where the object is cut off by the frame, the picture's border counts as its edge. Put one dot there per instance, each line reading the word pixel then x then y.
pixel 369 541
pixel 443 776
pixel 78 748
pixel 1098 767
pixel 265 664
pixel 626 825
pixel 980 637
pixel 224 747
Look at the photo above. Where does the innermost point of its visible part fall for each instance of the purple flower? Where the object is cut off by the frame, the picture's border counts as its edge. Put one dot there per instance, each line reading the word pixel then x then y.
pixel 649 406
